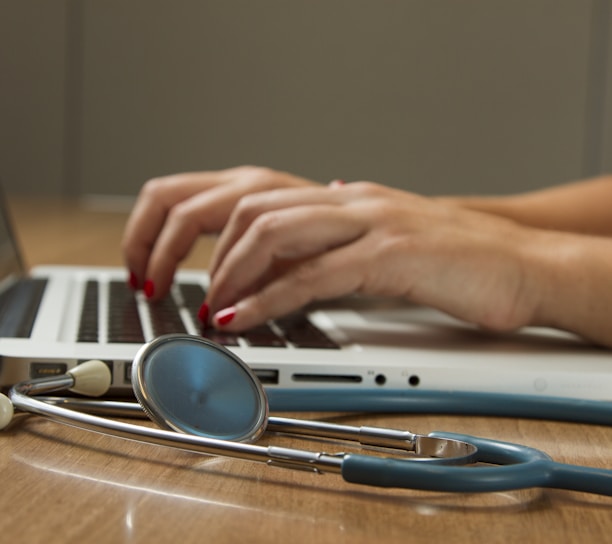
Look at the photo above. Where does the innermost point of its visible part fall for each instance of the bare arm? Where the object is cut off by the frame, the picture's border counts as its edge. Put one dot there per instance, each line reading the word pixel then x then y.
pixel 582 206
pixel 573 274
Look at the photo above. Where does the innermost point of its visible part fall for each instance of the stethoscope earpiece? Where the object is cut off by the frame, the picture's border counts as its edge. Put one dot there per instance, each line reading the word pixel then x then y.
pixel 92 378
pixel 6 411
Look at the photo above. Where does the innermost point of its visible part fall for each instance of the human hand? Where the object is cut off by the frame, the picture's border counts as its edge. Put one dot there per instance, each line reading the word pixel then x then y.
pixel 284 249
pixel 171 212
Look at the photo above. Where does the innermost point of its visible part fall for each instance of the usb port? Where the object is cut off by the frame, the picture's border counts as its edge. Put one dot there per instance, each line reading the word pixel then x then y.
pixel 266 376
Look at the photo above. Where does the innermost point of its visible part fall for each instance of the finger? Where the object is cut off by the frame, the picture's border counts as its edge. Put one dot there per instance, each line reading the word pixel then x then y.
pixel 287 234
pixel 220 192
pixel 254 205
pixel 204 212
pixel 148 216
pixel 330 275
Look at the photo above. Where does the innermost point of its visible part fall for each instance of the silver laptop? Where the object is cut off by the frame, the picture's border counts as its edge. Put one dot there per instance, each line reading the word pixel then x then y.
pixel 355 351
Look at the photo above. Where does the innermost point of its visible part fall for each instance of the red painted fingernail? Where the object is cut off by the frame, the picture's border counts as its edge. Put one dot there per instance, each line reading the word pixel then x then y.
pixel 337 183
pixel 133 280
pixel 223 317
pixel 149 288
pixel 203 313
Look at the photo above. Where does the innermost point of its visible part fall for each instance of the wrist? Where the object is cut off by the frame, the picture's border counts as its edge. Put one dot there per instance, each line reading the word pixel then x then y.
pixel 568 276
pixel 508 206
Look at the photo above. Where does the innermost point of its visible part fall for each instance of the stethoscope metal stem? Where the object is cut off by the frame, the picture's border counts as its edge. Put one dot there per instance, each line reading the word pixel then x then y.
pixel 427 447
pixel 423 446
pixel 364 435
pixel 282 457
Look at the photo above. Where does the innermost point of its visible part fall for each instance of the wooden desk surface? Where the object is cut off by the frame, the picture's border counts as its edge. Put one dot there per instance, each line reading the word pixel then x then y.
pixel 66 485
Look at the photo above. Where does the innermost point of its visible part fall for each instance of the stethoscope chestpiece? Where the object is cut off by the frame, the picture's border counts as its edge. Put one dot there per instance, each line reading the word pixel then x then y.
pixel 189 384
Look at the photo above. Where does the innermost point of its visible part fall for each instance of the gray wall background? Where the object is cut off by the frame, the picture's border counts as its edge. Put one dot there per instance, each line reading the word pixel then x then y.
pixel 439 96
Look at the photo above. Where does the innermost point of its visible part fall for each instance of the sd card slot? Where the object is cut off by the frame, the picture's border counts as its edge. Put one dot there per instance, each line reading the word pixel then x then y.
pixel 327 378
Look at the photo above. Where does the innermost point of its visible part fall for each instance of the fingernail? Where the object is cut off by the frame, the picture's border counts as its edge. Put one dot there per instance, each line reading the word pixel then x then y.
pixel 133 280
pixel 223 317
pixel 203 313
pixel 148 288
pixel 337 183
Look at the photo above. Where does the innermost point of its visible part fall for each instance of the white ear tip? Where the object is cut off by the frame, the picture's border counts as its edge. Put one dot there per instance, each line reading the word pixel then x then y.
pixel 6 411
pixel 92 378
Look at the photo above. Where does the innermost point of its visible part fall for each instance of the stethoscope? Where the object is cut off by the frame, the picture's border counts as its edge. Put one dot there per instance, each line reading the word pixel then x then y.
pixel 207 400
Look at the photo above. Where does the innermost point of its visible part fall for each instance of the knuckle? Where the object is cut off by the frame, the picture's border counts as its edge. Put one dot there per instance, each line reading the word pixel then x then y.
pixel 265 226
pixel 246 169
pixel 247 208
pixel 261 178
pixel 255 175
pixel 178 214
pixel 127 246
pixel 183 217
pixel 154 187
pixel 260 303
pixel 308 273
pixel 366 188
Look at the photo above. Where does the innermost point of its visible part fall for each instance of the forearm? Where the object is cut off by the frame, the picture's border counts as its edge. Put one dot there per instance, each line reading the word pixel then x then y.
pixel 572 276
pixel 582 207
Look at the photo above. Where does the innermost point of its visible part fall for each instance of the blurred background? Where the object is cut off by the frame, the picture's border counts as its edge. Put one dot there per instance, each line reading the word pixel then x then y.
pixel 444 96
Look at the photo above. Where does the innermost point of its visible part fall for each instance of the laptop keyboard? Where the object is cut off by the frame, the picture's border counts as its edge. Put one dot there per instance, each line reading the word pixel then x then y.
pixel 124 321
pixel 19 305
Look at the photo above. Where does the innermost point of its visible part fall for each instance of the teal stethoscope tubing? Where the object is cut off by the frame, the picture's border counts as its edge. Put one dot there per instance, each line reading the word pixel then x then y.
pixel 516 467
pixel 441 402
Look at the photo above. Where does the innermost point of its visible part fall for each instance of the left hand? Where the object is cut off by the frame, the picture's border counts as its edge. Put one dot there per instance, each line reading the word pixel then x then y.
pixel 171 212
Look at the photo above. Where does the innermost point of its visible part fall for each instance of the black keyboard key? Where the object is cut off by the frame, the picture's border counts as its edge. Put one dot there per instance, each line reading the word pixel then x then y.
pixel 88 325
pixel 298 330
pixel 263 337
pixel 165 317
pixel 123 319
pixel 219 337
pixel 193 294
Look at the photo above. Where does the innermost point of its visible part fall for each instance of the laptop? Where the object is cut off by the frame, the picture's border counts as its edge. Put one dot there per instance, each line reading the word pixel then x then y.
pixel 55 317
